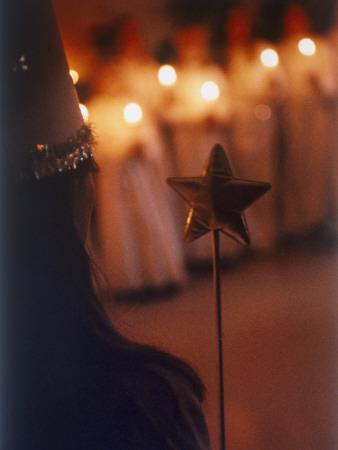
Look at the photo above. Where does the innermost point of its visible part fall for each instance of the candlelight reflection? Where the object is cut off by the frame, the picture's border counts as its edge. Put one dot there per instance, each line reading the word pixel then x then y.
pixel 74 75
pixel 262 112
pixel 84 112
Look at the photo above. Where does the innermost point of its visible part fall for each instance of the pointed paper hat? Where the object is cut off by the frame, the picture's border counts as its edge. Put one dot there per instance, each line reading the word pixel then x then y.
pixel 44 132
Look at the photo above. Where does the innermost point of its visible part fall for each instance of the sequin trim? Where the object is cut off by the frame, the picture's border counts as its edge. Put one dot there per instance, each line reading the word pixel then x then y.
pixel 46 160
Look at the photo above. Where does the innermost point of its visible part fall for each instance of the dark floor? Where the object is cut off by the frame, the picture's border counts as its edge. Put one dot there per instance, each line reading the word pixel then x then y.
pixel 280 327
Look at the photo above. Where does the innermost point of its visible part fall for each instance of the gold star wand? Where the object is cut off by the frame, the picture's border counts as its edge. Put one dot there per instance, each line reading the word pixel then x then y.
pixel 217 200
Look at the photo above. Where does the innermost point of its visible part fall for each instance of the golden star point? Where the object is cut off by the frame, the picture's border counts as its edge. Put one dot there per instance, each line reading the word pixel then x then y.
pixel 217 199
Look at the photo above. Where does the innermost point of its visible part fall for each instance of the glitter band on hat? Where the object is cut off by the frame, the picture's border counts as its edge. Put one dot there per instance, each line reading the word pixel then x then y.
pixel 46 160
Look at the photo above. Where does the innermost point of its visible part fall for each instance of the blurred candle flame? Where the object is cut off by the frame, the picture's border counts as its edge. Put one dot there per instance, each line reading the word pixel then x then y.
pixel 84 112
pixel 74 75
pixel 269 57
pixel 166 75
pixel 132 113
pixel 307 47
pixel 209 90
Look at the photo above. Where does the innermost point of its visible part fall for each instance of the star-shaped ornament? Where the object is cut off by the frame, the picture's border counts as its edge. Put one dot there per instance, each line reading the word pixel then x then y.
pixel 217 199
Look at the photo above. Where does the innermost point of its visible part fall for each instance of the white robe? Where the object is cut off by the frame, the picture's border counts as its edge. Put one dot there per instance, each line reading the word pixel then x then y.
pixel 308 122
pixel 136 244
pixel 255 91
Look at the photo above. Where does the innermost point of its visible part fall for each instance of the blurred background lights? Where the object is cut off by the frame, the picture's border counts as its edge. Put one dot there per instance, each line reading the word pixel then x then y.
pixel 84 112
pixel 307 46
pixel 269 57
pixel 262 112
pixel 74 75
pixel 209 90
pixel 167 75
pixel 132 113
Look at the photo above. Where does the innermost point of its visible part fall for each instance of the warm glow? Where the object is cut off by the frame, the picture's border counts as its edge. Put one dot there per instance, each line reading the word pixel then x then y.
pixel 167 75
pixel 307 46
pixel 269 57
pixel 84 112
pixel 74 75
pixel 262 112
pixel 132 113
pixel 209 90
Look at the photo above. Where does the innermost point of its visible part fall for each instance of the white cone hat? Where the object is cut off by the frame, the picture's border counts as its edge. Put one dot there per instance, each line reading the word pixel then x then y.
pixel 44 131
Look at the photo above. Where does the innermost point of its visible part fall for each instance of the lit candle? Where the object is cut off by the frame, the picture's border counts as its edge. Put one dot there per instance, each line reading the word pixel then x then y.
pixel 132 113
pixel 74 75
pixel 209 90
pixel 307 47
pixel 269 57
pixel 166 75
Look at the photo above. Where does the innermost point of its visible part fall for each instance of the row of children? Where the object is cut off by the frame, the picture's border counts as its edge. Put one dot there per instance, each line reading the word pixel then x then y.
pixel 271 106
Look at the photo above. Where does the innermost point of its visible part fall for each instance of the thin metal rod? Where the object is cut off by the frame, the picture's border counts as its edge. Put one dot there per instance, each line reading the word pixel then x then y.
pixel 217 287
